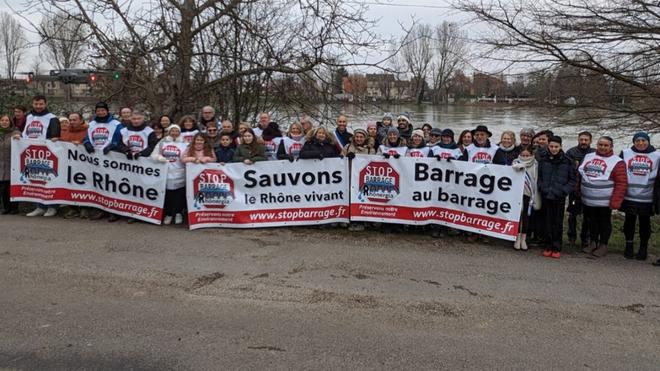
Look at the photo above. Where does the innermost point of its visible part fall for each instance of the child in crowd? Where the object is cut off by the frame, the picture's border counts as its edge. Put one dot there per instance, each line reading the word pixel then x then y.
pixel 199 151
pixel 250 150
pixel 225 151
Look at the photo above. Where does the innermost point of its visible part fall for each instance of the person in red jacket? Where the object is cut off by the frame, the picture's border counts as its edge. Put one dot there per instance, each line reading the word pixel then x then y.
pixel 602 186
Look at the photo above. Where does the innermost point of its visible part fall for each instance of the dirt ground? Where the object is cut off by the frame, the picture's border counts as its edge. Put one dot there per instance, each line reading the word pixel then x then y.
pixel 83 295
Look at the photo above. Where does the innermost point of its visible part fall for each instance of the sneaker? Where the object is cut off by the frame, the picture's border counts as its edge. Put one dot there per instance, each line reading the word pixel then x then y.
pixel 71 214
pixel 97 215
pixel 547 253
pixel 131 220
pixel 167 220
pixel 50 212
pixel 555 255
pixel 36 212
pixel 84 213
pixel 178 219
pixel 113 218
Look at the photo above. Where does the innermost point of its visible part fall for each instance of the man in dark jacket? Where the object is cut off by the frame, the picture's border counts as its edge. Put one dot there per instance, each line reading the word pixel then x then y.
pixel 20 117
pixel 576 155
pixel 557 180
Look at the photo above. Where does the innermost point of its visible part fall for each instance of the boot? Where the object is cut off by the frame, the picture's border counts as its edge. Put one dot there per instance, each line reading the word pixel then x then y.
pixel 642 254
pixel 516 245
pixel 590 248
pixel 600 251
pixel 628 253
pixel 523 242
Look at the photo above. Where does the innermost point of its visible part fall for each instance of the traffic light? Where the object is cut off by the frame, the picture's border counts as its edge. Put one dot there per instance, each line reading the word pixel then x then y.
pixel 116 75
pixel 30 77
pixel 92 78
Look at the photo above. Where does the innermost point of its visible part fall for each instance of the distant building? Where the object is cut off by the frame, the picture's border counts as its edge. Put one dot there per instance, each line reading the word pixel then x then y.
pixel 385 86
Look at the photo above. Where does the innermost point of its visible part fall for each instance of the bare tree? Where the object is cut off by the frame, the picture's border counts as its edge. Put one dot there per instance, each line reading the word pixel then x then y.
pixel 417 53
pixel 449 56
pixel 64 39
pixel 180 54
pixel 615 43
pixel 12 43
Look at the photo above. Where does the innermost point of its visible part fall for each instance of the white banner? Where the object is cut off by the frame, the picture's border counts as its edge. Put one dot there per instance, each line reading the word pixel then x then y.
pixel 267 194
pixel 485 199
pixel 63 173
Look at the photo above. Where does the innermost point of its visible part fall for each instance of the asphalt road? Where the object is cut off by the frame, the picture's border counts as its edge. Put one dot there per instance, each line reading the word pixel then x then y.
pixel 82 295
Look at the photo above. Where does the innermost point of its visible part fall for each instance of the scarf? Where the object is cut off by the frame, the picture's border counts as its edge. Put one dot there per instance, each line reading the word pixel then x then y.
pixel 507 149
pixel 530 166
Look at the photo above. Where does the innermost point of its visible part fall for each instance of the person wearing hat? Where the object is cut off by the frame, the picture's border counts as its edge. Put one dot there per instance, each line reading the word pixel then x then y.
pixel 383 126
pixel 372 131
pixel 170 150
pixel 404 124
pixel 359 145
pixel 576 155
pixel 393 145
pixel 641 162
pixel 447 148
pixel 602 185
pixel 556 180
pixel 434 137
pixel 417 147
pixel 482 151
pixel 103 135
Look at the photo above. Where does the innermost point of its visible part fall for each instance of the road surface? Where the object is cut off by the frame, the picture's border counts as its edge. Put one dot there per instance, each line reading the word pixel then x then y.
pixel 83 295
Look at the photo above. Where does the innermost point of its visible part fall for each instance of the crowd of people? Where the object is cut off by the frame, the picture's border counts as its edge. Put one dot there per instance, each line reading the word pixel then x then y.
pixel 582 180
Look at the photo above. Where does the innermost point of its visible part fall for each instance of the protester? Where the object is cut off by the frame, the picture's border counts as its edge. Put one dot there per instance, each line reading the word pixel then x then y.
pixel 556 181
pixel 264 120
pixel 171 150
pixel 393 145
pixel 481 151
pixel 342 135
pixel 531 196
pixel 465 139
pixel 289 146
pixel 427 128
pixel 20 117
pixel 307 124
pixel 540 142
pixel 242 128
pixel 74 129
pixel 447 149
pixel 207 117
pixel 359 145
pixel 526 136
pixel 7 131
pixel 434 137
pixel 165 121
pixel 641 161
pixel 384 126
pixel 103 132
pixel 319 144
pixel 508 149
pixel 159 130
pixel 576 155
pixel 404 124
pixel 602 187
pixel 125 114
pixel 213 135
pixel 199 151
pixel 189 128
pixel 270 138
pixel 250 150
pixel 225 151
pixel 40 125
pixel 228 128
pixel 372 134
pixel 417 146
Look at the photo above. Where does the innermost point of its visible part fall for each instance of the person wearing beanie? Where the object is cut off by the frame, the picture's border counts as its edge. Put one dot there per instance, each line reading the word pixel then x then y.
pixel 481 151
pixel 383 126
pixel 508 150
pixel 393 145
pixel 641 162
pixel 602 185
pixel 526 136
pixel 434 137
pixel 7 132
pixel 372 131
pixel 447 149
pixel 417 147
pixel 359 145
pixel 576 155
pixel 556 181
pixel 289 146
pixel 170 149
pixel 404 124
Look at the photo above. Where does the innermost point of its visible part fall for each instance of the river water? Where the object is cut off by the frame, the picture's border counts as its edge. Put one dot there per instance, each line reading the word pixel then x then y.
pixel 498 118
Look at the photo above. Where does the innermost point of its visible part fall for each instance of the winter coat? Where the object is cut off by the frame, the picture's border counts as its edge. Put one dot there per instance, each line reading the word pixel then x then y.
pixel 316 149
pixel 576 155
pixel 19 124
pixel 557 177
pixel 503 157
pixel 635 207
pixel 68 134
pixel 345 137
pixel 406 133
pixel 620 179
pixel 225 154
pixel 366 149
pixel 531 185
pixel 244 152
pixel 6 136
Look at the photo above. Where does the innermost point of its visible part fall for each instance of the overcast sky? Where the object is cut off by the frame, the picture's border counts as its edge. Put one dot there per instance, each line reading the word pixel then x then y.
pixel 389 13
